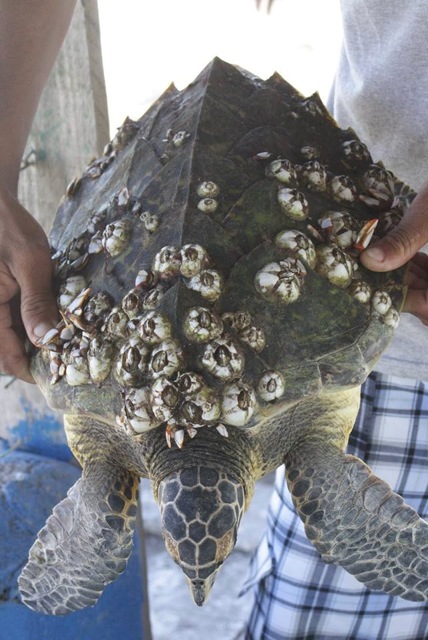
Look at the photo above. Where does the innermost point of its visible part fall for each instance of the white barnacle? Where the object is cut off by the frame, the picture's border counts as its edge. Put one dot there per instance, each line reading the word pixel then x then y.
pixel 254 337
pixel 115 323
pixel 209 403
pixel 72 187
pixel 76 305
pixel 138 410
pixel 208 205
pixel 262 155
pixel 223 359
pixel 150 220
pixel 222 430
pixel 164 398
pixel 296 242
pixel 191 432
pixel 282 170
pixel 136 208
pixel 379 182
pixel 340 228
pixel 271 386
pixel 360 291
pixel 80 263
pixel 67 332
pixel 189 383
pixel 343 189
pixel 116 237
pixel 70 290
pixel 238 403
pixel 276 281
pixel 314 176
pixel 178 435
pixel 97 307
pixel 179 138
pixel 100 358
pixel 365 234
pixel 334 264
pixel 355 151
pixel 55 364
pixel 203 407
pixel 77 371
pixel 131 363
pixel 132 302
pixel 50 340
pixel 96 243
pixel 166 358
pixel 293 203
pixel 124 134
pixel 167 262
pixel 123 198
pixel 202 324
pixel 208 189
pixel 96 220
pixel 194 258
pixel 154 327
pixel 309 153
pixel 145 278
pixel 208 282
pixel 392 318
pixel 312 107
pixel 152 298
pixel 238 320
pixel 381 302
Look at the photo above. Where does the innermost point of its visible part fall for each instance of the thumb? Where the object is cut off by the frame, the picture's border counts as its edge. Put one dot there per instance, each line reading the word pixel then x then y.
pixel 39 311
pixel 401 244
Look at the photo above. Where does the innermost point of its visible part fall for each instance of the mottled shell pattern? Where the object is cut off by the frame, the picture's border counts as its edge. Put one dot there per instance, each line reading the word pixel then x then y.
pixel 207 263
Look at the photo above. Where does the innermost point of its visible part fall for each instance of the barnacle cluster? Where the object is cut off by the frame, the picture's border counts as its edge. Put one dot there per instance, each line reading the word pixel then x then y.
pixel 131 343
pixel 325 219
pixel 331 242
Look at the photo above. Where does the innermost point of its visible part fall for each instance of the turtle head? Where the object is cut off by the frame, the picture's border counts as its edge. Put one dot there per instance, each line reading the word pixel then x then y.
pixel 201 509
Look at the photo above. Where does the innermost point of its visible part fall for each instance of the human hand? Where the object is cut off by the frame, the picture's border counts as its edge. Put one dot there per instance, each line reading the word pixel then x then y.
pixel 400 246
pixel 26 297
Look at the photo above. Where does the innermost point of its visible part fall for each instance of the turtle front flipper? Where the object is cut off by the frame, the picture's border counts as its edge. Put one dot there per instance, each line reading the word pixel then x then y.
pixel 355 520
pixel 86 542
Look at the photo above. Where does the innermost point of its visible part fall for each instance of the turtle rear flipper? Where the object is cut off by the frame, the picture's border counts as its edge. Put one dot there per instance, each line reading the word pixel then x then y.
pixel 355 520
pixel 84 545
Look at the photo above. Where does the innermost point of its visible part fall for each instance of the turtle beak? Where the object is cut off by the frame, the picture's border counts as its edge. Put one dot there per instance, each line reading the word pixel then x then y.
pixel 200 589
pixel 200 510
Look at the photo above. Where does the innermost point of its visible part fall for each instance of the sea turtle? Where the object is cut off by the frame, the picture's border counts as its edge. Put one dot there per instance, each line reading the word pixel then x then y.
pixel 216 323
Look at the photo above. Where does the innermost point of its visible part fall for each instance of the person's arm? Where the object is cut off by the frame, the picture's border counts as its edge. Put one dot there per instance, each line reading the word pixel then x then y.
pixel 31 34
pixel 401 245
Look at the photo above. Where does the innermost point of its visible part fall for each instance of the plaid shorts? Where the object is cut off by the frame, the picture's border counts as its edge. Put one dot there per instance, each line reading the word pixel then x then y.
pixel 299 597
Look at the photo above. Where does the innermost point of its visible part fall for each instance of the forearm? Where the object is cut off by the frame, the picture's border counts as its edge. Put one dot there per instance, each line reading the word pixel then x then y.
pixel 31 34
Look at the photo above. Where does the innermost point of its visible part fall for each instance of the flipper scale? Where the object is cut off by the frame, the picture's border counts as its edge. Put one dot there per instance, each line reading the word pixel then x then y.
pixel 358 522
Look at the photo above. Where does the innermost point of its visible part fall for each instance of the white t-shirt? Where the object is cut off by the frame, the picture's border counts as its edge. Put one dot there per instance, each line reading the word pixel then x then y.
pixel 381 90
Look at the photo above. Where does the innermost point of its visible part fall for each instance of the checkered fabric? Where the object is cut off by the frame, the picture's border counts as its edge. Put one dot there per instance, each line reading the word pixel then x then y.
pixel 299 597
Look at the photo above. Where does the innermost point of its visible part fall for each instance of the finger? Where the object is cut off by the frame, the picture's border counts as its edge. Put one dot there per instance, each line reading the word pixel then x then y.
pixel 417 303
pixel 13 359
pixel 38 306
pixel 8 285
pixel 421 260
pixel 401 244
pixel 416 277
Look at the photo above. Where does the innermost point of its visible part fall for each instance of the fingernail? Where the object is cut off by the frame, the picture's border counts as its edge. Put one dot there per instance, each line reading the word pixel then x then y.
pixel 375 253
pixel 41 329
